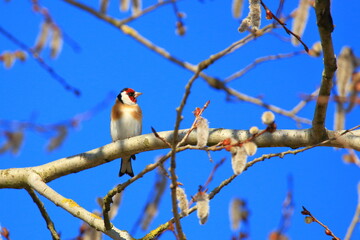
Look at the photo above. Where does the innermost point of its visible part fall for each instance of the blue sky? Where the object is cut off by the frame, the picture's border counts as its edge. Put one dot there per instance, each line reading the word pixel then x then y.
pixel 109 61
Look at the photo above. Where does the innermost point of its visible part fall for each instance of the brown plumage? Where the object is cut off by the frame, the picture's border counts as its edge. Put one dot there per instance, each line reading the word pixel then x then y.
pixel 126 122
pixel 119 108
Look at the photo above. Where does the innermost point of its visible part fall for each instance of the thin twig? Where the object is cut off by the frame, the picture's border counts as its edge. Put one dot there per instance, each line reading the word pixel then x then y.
pixel 287 208
pixel 271 155
pixel 288 31
pixel 303 103
pixel 212 173
pixel 216 190
pixel 50 225
pixel 145 11
pixel 193 126
pixel 159 137
pixel 213 82
pixel 180 26
pixel 202 65
pixel 119 188
pixel 314 219
pixel 261 103
pixel 280 8
pixel 41 62
pixel 173 153
pixel 35 181
pixel 258 61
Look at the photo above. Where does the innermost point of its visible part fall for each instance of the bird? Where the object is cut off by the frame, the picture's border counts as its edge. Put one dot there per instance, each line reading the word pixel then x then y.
pixel 126 122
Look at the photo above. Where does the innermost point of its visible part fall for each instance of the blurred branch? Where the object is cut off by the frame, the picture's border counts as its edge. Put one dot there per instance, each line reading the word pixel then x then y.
pixel 261 103
pixel 287 208
pixel 40 205
pixel 152 205
pixel 213 82
pixel 212 173
pixel 41 62
pixel 57 131
pixel 261 60
pixel 145 11
pixel 325 27
pixel 302 103
pixel 180 26
pixel 113 21
pixel 280 8
pixel 356 218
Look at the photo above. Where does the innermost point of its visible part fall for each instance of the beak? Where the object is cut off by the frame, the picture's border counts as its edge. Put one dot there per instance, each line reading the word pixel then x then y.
pixel 137 94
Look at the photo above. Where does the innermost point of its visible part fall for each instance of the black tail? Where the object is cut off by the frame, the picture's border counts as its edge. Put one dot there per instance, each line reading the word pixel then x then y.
pixel 126 167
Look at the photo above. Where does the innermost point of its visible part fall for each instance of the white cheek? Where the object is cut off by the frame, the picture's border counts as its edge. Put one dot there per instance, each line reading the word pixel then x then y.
pixel 126 99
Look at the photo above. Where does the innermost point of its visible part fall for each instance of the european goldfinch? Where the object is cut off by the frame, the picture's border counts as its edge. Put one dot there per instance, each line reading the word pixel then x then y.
pixel 126 121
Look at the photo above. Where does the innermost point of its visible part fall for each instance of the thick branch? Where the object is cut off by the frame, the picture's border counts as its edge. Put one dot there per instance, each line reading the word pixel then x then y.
pixel 224 183
pixel 17 177
pixel 36 183
pixel 325 26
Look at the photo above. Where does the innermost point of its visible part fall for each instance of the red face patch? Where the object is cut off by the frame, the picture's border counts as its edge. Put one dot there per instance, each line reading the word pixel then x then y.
pixel 131 93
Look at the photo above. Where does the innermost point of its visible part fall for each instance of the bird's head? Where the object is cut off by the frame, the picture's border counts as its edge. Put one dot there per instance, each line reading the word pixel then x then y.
pixel 128 96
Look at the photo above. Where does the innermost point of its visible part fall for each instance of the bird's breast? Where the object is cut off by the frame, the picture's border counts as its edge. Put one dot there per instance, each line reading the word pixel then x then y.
pixel 125 122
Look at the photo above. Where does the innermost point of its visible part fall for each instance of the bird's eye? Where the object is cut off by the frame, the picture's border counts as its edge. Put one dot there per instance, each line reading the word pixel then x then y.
pixel 131 94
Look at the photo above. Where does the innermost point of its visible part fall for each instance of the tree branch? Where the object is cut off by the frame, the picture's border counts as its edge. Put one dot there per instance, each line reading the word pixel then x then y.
pixel 174 146
pixel 356 218
pixel 261 103
pixel 40 205
pixel 34 181
pixel 261 60
pixel 16 177
pixel 156 232
pixel 41 62
pixel 213 82
pixel 325 27
pixel 302 103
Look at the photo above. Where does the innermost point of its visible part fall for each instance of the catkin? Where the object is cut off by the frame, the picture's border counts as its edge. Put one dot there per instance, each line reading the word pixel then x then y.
pixel 202 132
pixel 238 159
pixel 203 207
pixel 183 203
